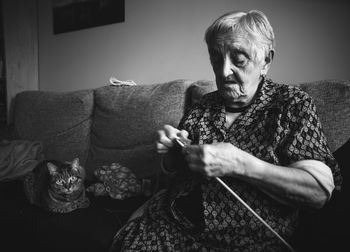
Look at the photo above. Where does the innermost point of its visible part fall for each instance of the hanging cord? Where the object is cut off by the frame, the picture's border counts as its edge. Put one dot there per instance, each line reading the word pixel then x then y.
pixel 181 144
pixel 115 82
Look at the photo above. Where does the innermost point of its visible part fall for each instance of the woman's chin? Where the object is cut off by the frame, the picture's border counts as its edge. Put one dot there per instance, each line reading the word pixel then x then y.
pixel 233 99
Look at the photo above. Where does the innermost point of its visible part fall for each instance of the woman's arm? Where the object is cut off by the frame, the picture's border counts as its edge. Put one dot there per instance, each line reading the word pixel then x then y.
pixel 291 185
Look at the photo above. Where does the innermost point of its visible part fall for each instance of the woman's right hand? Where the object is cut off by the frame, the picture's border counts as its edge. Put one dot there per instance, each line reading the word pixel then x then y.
pixel 166 137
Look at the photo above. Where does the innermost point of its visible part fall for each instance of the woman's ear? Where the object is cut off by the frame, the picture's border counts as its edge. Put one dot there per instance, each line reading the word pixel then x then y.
pixel 267 62
pixel 270 56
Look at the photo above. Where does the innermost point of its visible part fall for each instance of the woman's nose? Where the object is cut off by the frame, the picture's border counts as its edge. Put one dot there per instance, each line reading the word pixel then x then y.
pixel 227 68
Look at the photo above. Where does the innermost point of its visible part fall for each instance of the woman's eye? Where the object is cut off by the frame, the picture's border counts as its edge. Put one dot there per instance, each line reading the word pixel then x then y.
pixel 239 60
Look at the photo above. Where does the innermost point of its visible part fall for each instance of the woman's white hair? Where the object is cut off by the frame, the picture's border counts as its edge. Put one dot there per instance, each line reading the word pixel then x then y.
pixel 253 26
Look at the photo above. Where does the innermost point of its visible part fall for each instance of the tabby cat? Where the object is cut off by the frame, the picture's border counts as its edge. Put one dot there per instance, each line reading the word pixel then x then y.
pixel 58 187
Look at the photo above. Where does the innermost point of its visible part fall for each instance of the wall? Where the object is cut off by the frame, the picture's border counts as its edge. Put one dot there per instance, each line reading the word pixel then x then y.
pixel 162 40
pixel 21 48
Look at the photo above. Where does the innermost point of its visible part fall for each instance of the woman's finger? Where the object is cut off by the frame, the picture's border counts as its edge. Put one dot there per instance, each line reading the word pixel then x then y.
pixel 163 140
pixel 182 134
pixel 171 132
pixel 161 148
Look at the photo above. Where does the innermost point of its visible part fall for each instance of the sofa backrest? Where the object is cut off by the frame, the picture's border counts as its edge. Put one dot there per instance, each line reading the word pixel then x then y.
pixel 61 121
pixel 332 99
pixel 120 123
pixel 126 120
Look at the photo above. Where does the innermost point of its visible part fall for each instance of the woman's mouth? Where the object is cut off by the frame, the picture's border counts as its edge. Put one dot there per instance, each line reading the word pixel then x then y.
pixel 232 89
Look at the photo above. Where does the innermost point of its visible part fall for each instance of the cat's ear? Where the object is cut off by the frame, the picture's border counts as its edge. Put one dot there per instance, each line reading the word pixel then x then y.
pixel 52 168
pixel 75 164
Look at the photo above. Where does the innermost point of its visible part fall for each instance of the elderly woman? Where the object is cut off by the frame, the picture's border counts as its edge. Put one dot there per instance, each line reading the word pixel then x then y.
pixel 263 139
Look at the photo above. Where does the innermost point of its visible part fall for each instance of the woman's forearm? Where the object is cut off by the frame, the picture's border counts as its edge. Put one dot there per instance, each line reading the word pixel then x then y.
pixel 288 185
pixel 291 185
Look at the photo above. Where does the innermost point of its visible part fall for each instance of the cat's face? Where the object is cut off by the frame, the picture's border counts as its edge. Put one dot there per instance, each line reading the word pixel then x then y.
pixel 66 179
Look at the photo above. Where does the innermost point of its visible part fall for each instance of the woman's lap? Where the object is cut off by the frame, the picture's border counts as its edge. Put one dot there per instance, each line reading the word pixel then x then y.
pixel 154 230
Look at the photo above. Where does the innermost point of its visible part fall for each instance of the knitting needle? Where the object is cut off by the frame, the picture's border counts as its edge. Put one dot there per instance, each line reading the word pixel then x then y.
pixel 254 213
pixel 181 144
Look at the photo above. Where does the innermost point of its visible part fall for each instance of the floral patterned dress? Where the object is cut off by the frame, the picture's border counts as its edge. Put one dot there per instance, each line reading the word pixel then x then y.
pixel 197 214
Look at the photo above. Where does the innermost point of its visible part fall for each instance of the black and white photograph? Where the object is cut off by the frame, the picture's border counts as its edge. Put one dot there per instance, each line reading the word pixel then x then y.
pixel 174 125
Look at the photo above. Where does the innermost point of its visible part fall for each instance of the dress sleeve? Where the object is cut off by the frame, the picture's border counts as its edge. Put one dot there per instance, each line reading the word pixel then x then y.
pixel 305 139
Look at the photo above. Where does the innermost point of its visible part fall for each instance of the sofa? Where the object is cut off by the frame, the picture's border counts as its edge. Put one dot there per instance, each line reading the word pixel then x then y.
pixel 119 123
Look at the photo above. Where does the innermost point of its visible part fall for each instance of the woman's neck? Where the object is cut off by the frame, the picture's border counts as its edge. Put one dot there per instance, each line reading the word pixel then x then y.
pixel 230 118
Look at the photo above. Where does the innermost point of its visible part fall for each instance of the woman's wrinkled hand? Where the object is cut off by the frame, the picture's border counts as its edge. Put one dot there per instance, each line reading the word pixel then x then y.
pixel 166 137
pixel 216 160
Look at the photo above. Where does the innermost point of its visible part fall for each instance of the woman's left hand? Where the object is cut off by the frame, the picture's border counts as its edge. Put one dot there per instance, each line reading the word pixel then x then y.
pixel 216 160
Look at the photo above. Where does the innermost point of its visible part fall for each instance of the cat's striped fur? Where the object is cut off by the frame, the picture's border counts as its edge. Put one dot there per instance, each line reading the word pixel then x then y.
pixel 56 186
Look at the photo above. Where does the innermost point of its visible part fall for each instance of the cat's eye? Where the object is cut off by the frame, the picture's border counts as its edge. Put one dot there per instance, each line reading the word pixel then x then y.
pixel 72 179
pixel 59 182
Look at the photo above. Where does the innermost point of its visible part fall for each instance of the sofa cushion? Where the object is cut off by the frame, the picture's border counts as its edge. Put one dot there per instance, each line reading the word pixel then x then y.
pixel 200 88
pixel 61 121
pixel 332 99
pixel 126 120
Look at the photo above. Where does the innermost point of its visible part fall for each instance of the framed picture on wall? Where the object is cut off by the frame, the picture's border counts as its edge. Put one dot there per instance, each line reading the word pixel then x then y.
pixel 72 15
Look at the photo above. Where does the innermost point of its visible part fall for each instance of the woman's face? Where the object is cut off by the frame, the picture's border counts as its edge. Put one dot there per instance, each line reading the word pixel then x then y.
pixel 237 72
